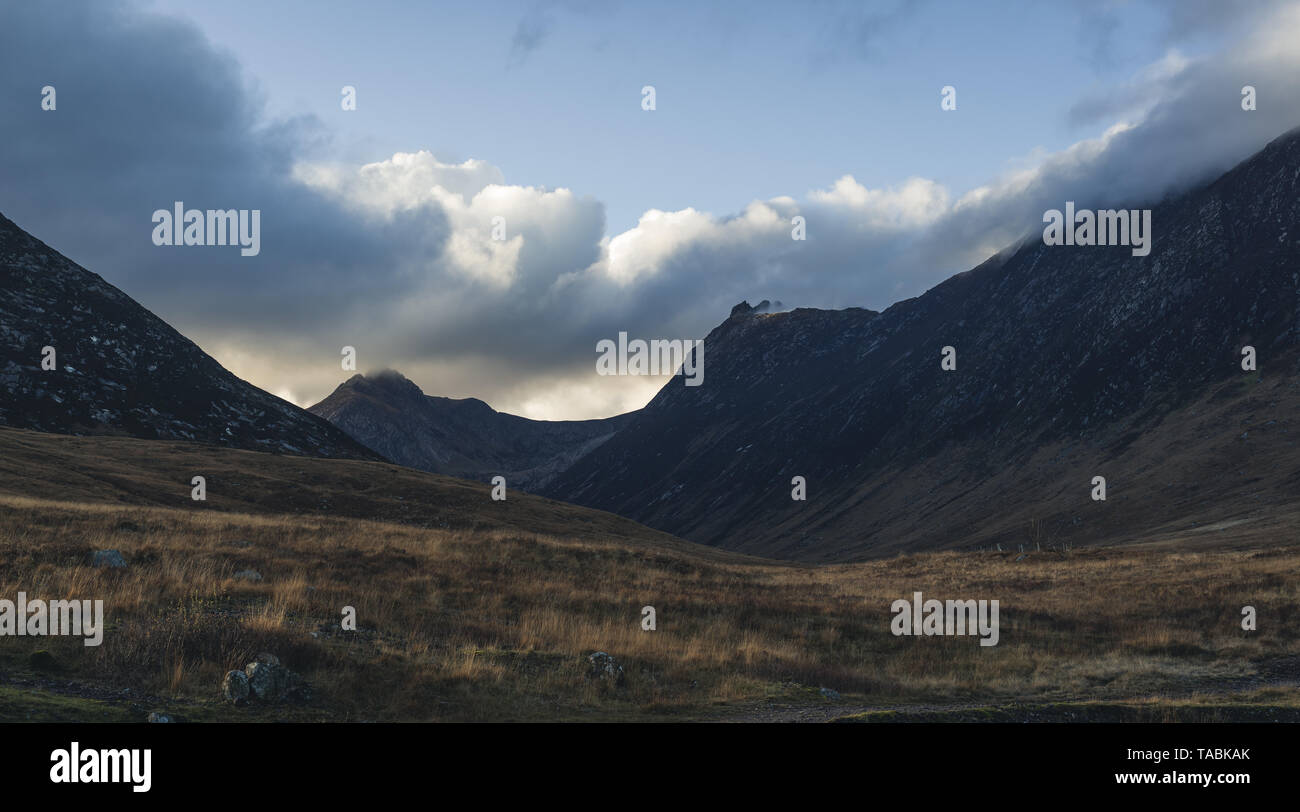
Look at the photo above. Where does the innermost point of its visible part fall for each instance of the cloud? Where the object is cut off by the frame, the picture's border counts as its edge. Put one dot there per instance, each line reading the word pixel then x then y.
pixel 532 30
pixel 538 24
pixel 1132 99
pixel 400 258
pixel 403 181
pixel 1098 23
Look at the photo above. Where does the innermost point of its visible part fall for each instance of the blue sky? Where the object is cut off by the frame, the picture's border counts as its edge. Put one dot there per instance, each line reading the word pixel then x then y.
pixel 755 100
pixel 376 223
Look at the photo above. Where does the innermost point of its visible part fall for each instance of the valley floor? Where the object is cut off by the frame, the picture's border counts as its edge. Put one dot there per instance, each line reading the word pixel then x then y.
pixel 464 614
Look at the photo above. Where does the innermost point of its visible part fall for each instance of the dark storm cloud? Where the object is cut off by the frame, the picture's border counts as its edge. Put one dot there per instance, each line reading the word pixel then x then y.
pixel 148 113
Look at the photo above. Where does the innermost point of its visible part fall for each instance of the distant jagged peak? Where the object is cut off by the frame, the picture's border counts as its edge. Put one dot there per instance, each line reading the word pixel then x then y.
pixel 765 306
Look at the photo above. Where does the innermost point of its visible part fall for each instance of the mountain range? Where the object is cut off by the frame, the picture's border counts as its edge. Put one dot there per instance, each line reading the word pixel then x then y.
pixel 1070 366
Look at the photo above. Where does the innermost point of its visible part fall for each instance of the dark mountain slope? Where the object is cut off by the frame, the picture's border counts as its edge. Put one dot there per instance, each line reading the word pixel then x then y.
pixel 1067 357
pixel 121 369
pixel 465 438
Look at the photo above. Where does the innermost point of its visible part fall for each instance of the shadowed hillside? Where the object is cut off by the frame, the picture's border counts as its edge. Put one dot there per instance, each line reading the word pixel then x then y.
pixel 119 369
pixel 1071 362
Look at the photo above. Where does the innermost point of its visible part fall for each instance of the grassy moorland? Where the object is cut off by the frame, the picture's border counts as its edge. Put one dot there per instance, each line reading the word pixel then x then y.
pixel 470 609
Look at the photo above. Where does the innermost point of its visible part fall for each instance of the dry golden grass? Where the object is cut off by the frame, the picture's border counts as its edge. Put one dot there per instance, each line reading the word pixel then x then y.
pixel 466 624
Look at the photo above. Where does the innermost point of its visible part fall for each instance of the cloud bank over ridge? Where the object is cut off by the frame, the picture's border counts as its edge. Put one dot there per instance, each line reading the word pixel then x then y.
pixel 397 257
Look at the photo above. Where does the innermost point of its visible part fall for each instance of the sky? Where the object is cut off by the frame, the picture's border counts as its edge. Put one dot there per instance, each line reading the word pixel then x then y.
pixel 377 221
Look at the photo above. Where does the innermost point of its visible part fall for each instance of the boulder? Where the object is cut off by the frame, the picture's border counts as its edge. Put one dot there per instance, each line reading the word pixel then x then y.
pixel 108 558
pixel 234 688
pixel 605 667
pixel 269 682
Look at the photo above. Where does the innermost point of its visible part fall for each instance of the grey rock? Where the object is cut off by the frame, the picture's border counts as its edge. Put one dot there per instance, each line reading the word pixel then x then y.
pixel 234 688
pixel 108 558
pixel 160 718
pixel 268 682
pixel 831 694
pixel 605 667
pixel 249 575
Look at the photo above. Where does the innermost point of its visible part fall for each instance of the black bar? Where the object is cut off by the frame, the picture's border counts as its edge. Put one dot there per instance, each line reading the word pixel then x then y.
pixel 229 762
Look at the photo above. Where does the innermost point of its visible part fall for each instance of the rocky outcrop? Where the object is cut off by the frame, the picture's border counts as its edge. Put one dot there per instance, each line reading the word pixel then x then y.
pixel 264 680
pixel 605 668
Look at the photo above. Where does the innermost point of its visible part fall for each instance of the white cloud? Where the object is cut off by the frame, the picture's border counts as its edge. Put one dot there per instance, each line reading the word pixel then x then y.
pixel 559 283
pixel 405 181
pixel 915 204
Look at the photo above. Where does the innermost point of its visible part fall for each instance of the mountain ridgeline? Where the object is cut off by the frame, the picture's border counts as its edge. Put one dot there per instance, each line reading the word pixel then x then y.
pixel 1079 372
pixel 1071 363
pixel 465 438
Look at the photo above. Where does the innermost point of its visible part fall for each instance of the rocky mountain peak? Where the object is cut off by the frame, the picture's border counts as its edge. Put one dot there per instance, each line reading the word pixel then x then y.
pixel 1066 357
